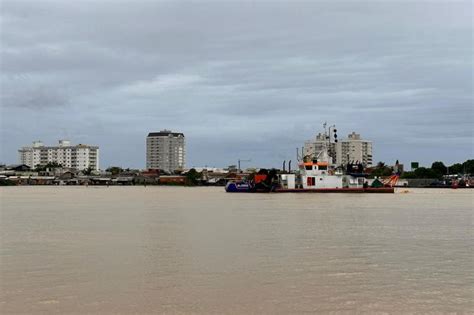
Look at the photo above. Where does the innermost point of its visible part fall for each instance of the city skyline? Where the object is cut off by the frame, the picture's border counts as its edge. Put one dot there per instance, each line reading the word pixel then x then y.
pixel 307 149
pixel 240 80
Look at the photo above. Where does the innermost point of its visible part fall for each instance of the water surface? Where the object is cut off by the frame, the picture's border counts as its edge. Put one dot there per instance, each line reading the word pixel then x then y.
pixel 200 250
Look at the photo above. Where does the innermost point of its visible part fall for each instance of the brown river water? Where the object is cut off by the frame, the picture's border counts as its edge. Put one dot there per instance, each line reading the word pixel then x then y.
pixel 175 250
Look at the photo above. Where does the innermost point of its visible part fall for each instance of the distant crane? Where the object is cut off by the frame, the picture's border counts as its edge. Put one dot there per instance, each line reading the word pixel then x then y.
pixel 242 160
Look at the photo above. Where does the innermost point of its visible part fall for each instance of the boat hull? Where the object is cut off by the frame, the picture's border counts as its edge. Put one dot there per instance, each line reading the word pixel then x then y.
pixel 381 190
pixel 239 188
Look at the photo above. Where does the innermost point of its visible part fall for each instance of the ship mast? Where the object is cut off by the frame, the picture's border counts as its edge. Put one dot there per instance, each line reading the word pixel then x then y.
pixel 327 152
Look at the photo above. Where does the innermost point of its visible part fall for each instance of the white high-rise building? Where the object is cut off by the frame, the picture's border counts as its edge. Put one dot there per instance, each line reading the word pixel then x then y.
pixel 79 156
pixel 165 150
pixel 354 150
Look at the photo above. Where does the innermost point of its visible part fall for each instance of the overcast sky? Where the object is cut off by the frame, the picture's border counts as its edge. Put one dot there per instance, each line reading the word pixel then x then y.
pixel 250 80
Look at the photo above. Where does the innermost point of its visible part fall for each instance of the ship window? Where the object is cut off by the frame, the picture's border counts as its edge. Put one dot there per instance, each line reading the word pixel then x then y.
pixel 308 167
pixel 311 181
pixel 323 167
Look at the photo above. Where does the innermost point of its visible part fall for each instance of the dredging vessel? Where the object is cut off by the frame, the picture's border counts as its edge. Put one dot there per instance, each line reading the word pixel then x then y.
pixel 315 174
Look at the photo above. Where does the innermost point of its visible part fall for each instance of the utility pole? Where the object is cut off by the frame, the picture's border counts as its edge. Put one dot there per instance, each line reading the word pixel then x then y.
pixel 241 160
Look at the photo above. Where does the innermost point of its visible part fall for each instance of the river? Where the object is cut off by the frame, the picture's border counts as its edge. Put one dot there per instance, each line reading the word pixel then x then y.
pixel 177 250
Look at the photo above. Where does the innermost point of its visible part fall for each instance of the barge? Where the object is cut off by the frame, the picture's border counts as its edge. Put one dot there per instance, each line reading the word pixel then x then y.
pixel 315 174
pixel 232 188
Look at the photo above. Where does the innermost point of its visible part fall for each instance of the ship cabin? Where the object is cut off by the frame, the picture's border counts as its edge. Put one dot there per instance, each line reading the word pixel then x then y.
pixel 318 174
pixel 315 168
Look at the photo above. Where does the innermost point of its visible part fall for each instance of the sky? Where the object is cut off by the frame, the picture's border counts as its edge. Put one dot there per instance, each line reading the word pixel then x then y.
pixel 241 79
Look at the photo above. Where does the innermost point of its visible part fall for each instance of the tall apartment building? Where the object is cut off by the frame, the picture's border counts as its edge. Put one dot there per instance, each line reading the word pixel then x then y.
pixel 316 146
pixel 354 149
pixel 165 150
pixel 79 156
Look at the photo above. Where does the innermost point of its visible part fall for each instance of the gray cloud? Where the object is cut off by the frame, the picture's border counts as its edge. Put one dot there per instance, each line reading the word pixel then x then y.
pixel 241 79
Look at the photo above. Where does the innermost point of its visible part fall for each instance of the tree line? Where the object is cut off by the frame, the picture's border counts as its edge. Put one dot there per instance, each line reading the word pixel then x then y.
pixel 437 170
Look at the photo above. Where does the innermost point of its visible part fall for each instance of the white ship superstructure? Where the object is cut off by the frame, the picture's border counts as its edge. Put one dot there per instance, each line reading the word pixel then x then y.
pixel 316 173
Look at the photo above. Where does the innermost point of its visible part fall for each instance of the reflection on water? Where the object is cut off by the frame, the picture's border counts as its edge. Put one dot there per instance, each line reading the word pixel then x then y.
pixel 200 250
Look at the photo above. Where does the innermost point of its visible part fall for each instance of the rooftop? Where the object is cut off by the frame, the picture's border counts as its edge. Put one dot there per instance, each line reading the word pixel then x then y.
pixel 165 133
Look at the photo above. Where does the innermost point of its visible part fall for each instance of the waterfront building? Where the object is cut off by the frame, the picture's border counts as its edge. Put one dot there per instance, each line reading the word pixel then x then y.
pixel 79 156
pixel 165 150
pixel 354 149
pixel 313 148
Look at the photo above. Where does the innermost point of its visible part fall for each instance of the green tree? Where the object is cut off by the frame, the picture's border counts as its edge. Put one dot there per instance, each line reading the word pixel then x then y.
pixel 49 165
pixel 439 168
pixel 468 167
pixel 408 175
pixel 193 177
pixel 87 171
pixel 456 169
pixel 115 170
pixel 423 172
pixel 381 170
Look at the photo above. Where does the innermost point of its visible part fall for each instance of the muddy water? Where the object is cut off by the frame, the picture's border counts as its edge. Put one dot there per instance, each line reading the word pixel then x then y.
pixel 200 250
